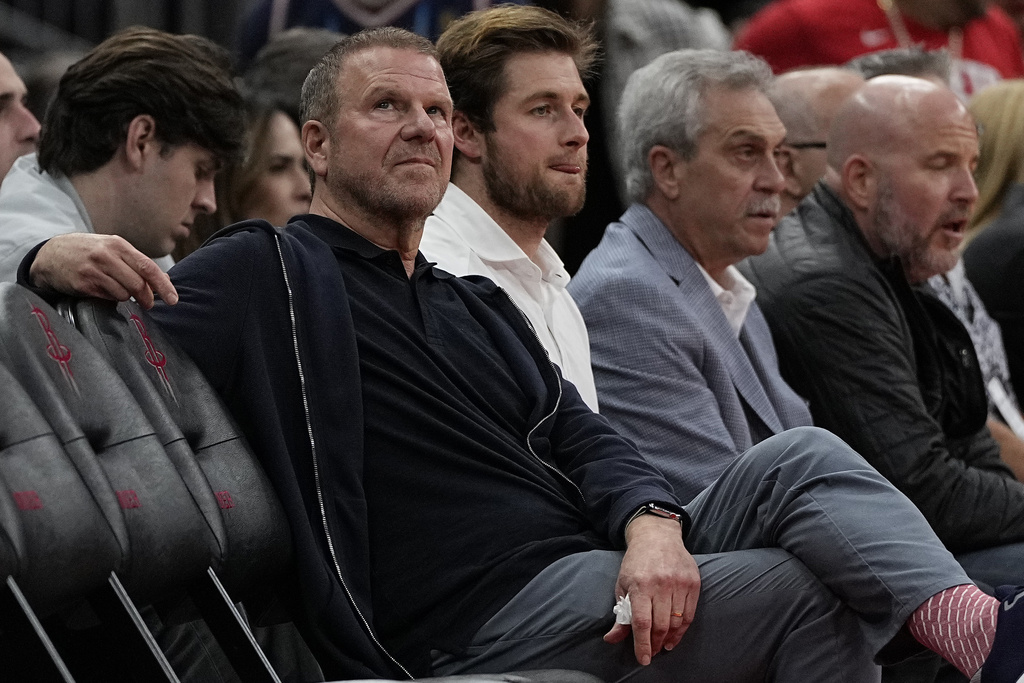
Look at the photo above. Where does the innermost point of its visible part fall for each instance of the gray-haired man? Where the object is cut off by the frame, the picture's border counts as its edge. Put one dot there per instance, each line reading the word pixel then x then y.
pixel 683 360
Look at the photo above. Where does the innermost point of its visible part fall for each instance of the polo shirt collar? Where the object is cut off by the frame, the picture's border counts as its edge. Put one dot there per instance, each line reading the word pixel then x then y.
pixel 340 236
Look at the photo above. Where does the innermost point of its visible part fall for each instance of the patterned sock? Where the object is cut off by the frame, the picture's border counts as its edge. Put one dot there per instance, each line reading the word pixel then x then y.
pixel 960 624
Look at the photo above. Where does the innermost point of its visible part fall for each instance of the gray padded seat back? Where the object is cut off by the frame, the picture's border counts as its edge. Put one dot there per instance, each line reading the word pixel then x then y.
pixel 200 436
pixel 54 540
pixel 94 323
pixel 162 535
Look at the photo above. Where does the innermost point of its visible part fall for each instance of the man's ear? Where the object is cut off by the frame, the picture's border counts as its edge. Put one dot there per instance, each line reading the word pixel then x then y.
pixel 316 146
pixel 859 182
pixel 787 162
pixel 468 140
pixel 666 166
pixel 140 140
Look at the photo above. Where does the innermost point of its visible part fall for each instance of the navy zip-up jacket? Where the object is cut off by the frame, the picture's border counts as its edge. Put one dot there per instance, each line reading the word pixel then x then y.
pixel 256 305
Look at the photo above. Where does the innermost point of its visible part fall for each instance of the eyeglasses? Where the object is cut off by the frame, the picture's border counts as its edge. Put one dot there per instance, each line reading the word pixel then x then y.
pixel 807 145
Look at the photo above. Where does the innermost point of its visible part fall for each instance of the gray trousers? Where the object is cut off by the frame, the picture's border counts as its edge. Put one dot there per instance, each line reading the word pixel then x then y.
pixel 995 566
pixel 810 563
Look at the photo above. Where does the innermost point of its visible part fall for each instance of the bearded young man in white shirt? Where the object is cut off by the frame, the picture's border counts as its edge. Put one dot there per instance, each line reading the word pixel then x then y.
pixel 521 162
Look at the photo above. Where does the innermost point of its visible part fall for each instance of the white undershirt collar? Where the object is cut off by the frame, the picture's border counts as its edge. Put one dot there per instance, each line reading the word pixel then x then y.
pixel 735 301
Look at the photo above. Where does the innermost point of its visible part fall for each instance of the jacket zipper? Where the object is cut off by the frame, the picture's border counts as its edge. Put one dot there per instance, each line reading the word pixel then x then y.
pixel 554 409
pixel 316 467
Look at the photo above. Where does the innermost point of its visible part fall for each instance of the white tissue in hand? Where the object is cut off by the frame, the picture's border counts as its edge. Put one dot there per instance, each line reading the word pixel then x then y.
pixel 623 611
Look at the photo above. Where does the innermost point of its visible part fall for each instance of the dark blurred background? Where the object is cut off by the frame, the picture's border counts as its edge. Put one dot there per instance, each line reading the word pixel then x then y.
pixel 43 37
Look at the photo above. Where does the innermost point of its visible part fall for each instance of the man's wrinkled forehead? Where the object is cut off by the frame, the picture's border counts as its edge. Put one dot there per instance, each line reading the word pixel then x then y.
pixel 381 68
pixel 735 115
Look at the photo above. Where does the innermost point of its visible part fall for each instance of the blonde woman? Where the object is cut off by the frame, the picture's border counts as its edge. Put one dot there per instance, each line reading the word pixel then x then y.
pixel 995 254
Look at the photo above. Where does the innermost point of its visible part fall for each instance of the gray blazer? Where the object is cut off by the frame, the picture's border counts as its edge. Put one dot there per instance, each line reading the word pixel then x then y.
pixel 670 372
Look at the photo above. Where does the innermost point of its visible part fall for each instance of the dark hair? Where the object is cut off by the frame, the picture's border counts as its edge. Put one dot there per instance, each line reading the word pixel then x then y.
pixel 182 81
pixel 281 66
pixel 473 51
pixel 235 182
pixel 903 61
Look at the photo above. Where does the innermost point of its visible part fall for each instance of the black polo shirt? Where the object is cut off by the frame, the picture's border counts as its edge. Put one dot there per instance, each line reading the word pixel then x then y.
pixel 462 515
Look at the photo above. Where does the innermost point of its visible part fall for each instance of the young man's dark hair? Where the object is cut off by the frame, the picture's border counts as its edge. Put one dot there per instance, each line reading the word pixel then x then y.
pixel 473 51
pixel 183 81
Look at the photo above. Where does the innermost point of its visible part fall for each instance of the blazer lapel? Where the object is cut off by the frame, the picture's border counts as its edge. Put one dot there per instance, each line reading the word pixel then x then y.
pixel 770 415
pixel 695 294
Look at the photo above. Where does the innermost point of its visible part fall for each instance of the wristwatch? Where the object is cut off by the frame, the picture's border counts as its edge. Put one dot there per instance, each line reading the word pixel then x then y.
pixel 657 510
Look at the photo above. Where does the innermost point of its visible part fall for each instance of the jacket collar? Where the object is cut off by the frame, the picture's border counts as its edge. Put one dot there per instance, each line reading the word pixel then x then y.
pixel 841 215
pixel 473 290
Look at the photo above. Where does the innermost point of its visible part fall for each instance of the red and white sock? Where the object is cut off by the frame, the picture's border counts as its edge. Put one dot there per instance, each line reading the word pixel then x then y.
pixel 960 624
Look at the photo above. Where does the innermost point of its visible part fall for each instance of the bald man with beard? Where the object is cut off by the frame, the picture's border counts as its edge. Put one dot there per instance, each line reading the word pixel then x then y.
pixel 806 102
pixel 883 363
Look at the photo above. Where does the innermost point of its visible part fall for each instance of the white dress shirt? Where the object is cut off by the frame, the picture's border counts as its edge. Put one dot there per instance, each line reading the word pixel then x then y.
pixel 464 240
pixel 735 301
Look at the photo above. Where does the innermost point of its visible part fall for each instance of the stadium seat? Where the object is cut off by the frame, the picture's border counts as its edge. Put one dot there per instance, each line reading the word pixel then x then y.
pixel 119 463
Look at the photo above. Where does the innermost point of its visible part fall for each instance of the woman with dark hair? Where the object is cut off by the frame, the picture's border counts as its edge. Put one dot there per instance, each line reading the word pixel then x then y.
pixel 269 181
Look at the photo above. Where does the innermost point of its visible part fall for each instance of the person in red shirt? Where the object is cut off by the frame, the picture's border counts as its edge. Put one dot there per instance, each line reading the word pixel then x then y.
pixel 1015 10
pixel 983 42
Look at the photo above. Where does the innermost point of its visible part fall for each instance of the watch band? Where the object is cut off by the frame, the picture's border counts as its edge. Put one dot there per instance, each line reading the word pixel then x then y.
pixel 659 511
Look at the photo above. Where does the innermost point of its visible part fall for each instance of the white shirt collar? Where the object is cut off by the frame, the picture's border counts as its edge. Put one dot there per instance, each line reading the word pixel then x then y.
pixel 493 244
pixel 735 301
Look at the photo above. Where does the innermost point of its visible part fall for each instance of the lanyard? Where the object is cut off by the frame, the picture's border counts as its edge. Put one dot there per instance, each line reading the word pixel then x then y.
pixel 955 42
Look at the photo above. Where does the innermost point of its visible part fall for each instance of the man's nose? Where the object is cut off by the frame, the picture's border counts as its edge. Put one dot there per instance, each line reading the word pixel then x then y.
pixel 576 133
pixel 770 178
pixel 27 126
pixel 419 125
pixel 206 196
pixel 964 188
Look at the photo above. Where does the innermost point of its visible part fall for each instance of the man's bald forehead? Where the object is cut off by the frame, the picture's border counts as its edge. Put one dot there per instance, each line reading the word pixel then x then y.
pixel 806 100
pixel 884 114
pixel 815 79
